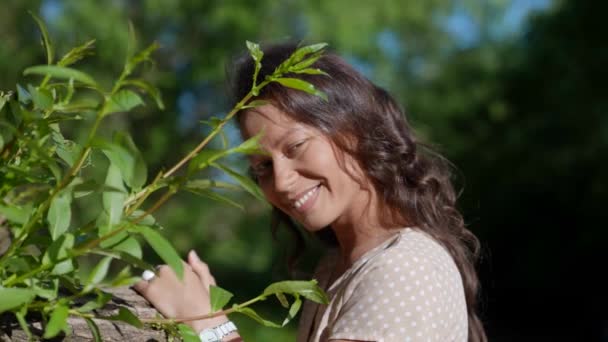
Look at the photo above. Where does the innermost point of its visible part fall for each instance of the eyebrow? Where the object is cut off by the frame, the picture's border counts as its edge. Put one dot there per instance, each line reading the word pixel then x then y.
pixel 280 139
pixel 284 136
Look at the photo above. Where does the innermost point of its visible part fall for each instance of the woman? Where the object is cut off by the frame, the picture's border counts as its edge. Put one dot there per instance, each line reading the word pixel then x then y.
pixel 403 268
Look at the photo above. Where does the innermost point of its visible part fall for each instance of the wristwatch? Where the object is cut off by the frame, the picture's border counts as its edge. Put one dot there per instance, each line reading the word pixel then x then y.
pixel 216 334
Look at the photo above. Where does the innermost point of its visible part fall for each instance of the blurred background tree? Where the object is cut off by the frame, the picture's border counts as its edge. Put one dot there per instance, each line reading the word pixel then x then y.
pixel 511 91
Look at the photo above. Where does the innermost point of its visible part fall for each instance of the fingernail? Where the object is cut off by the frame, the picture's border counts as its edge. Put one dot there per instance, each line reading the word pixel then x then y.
pixel 195 256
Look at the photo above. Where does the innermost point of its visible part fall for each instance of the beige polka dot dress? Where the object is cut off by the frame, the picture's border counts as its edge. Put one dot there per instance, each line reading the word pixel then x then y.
pixel 406 289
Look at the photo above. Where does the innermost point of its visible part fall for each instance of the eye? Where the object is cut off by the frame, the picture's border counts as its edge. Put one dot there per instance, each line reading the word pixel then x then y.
pixel 261 169
pixel 295 147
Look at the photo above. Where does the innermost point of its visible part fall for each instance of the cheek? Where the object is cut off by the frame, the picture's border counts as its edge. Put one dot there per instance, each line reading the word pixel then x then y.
pixel 266 188
pixel 341 170
pixel 353 169
pixel 270 195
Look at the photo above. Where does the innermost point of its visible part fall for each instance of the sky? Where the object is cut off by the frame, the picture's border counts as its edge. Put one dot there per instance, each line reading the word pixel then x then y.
pixel 460 24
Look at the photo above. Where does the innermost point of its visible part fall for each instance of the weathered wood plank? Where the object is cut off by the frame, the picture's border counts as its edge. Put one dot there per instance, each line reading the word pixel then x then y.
pixel 110 331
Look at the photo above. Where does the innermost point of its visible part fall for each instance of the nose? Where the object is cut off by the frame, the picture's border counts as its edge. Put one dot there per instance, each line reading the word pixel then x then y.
pixel 285 176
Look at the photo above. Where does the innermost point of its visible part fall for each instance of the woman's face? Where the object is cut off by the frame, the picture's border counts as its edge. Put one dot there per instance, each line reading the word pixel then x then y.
pixel 301 174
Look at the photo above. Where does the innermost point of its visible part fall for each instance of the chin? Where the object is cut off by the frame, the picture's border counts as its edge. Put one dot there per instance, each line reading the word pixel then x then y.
pixel 315 225
pixel 312 228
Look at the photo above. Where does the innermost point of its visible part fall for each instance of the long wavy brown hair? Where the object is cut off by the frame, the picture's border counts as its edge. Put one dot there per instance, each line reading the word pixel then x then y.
pixel 413 180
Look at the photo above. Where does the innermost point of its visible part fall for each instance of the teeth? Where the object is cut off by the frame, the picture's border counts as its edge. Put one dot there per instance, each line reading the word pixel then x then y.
pixel 304 198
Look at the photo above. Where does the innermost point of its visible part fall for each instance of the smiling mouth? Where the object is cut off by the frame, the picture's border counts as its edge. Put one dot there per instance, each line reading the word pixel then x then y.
pixel 299 203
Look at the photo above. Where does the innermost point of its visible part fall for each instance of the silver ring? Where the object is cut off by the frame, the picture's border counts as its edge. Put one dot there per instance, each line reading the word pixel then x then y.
pixel 148 275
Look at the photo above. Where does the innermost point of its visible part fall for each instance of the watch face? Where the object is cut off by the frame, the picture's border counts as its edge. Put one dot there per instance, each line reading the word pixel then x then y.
pixel 208 335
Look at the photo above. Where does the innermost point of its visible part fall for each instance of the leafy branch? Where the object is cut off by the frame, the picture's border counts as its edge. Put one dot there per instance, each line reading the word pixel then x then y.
pixel 221 297
pixel 44 174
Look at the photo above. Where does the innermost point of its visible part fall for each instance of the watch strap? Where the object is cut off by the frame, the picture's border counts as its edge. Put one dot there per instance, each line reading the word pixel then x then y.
pixel 221 330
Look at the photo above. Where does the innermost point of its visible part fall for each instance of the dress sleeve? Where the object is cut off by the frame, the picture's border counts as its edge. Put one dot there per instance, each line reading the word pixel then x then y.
pixel 404 296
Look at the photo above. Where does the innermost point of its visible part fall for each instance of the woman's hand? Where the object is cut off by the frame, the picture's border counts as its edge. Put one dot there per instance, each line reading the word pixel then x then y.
pixel 181 299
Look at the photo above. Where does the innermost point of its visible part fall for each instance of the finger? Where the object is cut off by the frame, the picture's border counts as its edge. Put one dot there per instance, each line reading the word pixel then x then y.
pixel 200 268
pixel 141 287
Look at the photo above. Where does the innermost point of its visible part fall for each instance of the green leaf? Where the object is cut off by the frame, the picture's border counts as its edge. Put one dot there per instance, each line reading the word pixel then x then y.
pixel 281 297
pixel 219 297
pixel 120 156
pixel 204 158
pixel 98 273
pixel 23 96
pixel 42 98
pixel 28 193
pixel 11 298
pixel 100 301
pixel 69 151
pixel 187 333
pixel 15 264
pixel 148 220
pixel 123 242
pixel 59 249
pixel 255 103
pixel 126 257
pixel 45 38
pixel 6 241
pixel 58 321
pixel 78 106
pixel 151 90
pixel 47 290
pixel 308 289
pixel 215 196
pixel 298 56
pixel 125 315
pixel 70 92
pixel 163 248
pixel 293 310
pixel 215 123
pixel 299 84
pixel 250 146
pixel 113 201
pixel 4 98
pixel 136 175
pixel 23 323
pixel 254 315
pixel 77 53
pixel 61 73
pixel 59 215
pixel 143 55
pixel 302 52
pixel 124 278
pixel 94 329
pixel 311 71
pixel 122 101
pixel 131 41
pixel 255 51
pixel 82 189
pixel 17 214
pixel 125 281
pixel 129 245
pixel 257 54
pixel 247 184
pixel 306 63
pixel 204 184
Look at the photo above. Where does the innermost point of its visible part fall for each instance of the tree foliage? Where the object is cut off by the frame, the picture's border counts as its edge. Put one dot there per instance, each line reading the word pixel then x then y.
pixel 520 113
pixel 45 175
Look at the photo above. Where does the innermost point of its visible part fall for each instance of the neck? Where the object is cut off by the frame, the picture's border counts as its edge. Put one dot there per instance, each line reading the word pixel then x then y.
pixel 360 231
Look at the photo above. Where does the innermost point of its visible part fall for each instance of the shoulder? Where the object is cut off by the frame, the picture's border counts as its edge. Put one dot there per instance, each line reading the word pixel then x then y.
pixel 414 264
pixel 412 256
pixel 411 288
